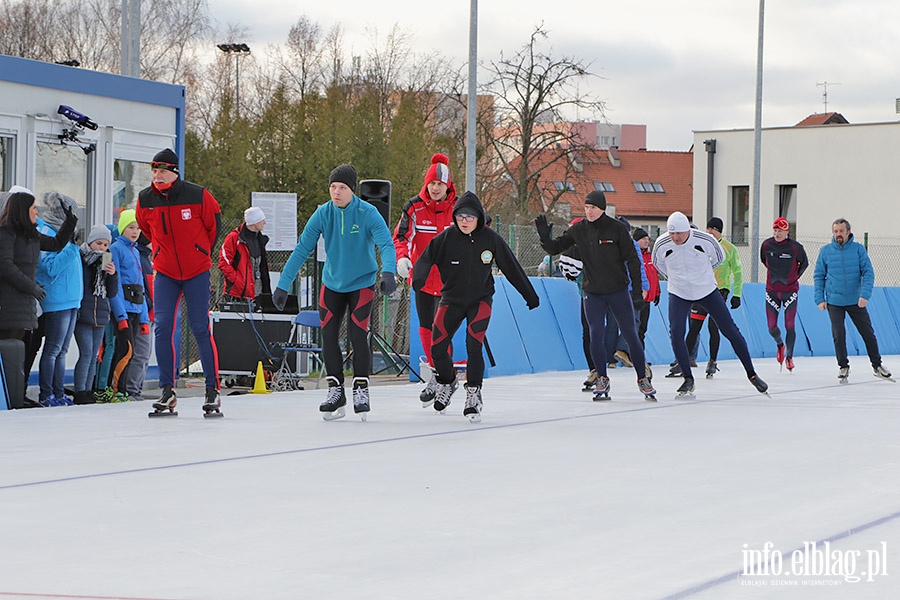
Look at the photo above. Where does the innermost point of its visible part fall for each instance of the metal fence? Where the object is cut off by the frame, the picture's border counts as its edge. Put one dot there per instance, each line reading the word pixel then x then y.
pixel 391 316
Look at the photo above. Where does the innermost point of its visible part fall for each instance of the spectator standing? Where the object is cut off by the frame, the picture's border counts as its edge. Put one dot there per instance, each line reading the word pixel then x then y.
pixel 243 260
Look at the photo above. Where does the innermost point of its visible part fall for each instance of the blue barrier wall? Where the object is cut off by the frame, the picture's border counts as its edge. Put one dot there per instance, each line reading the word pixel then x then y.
pixel 549 337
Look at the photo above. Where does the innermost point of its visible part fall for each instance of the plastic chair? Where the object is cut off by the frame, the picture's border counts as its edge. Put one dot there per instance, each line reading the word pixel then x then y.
pixel 296 344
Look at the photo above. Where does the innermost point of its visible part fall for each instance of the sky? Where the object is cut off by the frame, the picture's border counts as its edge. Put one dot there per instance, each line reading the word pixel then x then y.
pixel 675 67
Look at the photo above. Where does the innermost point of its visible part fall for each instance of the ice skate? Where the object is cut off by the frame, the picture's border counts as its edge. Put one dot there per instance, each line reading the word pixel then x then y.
pixel 624 358
pixel 686 390
pixel 442 400
pixel 361 397
pixel 647 389
pixel 779 355
pixel 789 363
pixel 590 382
pixel 843 375
pixel 883 373
pixel 213 404
pixel 426 396
pixel 165 406
pixel 761 386
pixel 674 370
pixel 472 411
pixel 601 390
pixel 649 371
pixel 333 406
pixel 711 369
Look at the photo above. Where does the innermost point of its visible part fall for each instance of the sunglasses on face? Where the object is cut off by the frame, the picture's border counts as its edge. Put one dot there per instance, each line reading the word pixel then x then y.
pixel 466 218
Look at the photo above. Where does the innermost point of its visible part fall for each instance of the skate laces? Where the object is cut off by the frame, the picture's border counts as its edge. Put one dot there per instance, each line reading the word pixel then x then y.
pixel 602 382
pixel 432 386
pixel 645 385
pixel 360 395
pixel 444 393
pixel 473 396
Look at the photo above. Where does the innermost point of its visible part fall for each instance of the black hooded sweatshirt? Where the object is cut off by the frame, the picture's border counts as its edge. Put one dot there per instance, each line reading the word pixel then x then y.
pixel 465 261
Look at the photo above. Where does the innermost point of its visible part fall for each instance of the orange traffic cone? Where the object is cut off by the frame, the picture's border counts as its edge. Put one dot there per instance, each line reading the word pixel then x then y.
pixel 259 384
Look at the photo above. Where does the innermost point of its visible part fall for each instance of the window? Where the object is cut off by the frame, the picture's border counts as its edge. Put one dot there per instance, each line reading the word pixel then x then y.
pixel 604 141
pixel 740 207
pixel 64 169
pixel 787 206
pixel 648 187
pixel 604 186
pixel 129 178
pixel 564 186
pixel 6 163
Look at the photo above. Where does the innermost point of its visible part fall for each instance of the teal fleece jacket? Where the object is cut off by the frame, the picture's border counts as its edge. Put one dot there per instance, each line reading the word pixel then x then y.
pixel 350 234
pixel 843 274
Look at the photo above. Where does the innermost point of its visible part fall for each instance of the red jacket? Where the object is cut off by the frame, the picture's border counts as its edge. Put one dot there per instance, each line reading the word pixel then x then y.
pixel 652 274
pixel 236 265
pixel 182 224
pixel 422 219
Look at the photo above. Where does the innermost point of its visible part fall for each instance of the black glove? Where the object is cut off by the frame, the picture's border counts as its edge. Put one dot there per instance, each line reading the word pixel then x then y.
pixel 388 283
pixel 70 214
pixel 534 304
pixel 637 301
pixel 544 229
pixel 40 293
pixel 735 302
pixel 656 302
pixel 279 299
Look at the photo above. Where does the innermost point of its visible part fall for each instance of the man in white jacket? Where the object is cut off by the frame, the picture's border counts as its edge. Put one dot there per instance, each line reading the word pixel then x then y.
pixel 687 258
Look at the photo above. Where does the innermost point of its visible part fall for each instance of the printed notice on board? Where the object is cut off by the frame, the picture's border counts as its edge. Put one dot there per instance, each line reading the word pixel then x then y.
pixel 281 218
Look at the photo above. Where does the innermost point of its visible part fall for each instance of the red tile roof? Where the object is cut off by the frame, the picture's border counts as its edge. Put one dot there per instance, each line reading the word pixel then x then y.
pixel 829 118
pixel 673 170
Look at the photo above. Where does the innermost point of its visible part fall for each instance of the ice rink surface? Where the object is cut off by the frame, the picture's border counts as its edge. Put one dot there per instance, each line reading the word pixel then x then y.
pixel 551 496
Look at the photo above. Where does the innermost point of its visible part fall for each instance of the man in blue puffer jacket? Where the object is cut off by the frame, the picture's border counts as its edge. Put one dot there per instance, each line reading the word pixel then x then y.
pixel 843 284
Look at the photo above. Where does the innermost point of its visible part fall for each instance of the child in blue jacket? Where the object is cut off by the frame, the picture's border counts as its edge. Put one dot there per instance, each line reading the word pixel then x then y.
pixel 129 308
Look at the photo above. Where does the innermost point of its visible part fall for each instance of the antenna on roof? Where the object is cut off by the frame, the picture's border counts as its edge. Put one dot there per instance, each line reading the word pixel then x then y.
pixel 824 85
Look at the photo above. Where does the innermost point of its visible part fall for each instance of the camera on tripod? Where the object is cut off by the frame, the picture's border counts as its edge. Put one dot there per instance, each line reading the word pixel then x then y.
pixel 80 122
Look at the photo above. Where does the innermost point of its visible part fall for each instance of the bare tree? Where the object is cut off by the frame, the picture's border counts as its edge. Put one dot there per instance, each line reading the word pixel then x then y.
pixel 527 130
pixel 303 67
pixel 30 29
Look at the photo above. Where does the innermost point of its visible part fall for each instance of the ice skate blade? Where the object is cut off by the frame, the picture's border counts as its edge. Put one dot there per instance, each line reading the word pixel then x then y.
pixel 427 404
pixel 685 396
pixel 335 415
pixel 588 388
pixel 650 397
pixel 885 378
pixel 843 380
pixel 602 397
pixel 213 414
pixel 163 413
pixel 474 418
pixel 363 416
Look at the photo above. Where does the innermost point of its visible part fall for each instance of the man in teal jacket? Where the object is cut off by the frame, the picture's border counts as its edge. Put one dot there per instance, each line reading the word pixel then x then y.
pixel 843 284
pixel 351 228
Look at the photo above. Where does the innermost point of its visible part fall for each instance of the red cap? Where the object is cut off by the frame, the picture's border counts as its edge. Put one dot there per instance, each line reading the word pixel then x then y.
pixel 781 223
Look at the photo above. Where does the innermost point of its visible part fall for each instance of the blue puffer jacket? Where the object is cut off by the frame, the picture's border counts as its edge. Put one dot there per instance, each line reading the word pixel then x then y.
pixel 128 266
pixel 844 274
pixel 61 275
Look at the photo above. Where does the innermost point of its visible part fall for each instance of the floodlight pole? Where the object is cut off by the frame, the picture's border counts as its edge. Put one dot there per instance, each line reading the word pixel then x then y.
pixel 471 101
pixel 238 50
pixel 757 146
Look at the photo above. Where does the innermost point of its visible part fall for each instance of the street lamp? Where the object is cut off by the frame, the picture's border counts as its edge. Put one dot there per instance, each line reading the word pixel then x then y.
pixel 238 50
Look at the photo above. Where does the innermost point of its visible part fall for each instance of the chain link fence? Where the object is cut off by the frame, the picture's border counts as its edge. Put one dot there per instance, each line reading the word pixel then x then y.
pixel 391 316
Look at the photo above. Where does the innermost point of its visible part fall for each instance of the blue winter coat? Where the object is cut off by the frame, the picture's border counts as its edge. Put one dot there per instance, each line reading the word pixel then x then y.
pixel 60 273
pixel 127 259
pixel 844 274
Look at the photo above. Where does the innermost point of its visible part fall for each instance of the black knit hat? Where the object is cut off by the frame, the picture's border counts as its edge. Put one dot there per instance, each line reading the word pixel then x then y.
pixel 715 223
pixel 597 198
pixel 165 159
pixel 639 234
pixel 346 174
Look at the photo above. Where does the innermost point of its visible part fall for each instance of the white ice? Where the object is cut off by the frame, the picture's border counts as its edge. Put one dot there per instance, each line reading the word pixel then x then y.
pixel 551 496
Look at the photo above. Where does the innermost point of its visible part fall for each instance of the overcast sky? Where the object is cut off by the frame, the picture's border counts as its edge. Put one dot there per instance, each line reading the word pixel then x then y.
pixel 674 66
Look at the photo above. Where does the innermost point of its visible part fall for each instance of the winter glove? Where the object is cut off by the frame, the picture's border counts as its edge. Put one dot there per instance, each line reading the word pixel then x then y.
pixel 279 299
pixel 534 304
pixel 404 266
pixel 544 229
pixel 637 301
pixel 656 302
pixel 735 302
pixel 145 328
pixel 40 293
pixel 388 283
pixel 70 214
pixel 122 325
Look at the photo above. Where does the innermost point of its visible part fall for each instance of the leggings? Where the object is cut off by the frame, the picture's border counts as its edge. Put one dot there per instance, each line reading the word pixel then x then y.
pixel 698 316
pixel 332 308
pixel 595 309
pixel 426 306
pixel 447 320
pixel 775 301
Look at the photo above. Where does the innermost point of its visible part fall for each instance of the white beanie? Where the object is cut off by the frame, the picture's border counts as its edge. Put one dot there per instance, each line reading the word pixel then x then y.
pixel 18 189
pixel 99 232
pixel 254 215
pixel 677 223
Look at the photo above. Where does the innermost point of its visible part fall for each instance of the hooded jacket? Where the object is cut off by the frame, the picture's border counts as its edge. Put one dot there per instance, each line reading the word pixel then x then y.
pixel 236 264
pixel 843 274
pixel 422 219
pixel 182 224
pixel 60 274
pixel 127 259
pixel 465 262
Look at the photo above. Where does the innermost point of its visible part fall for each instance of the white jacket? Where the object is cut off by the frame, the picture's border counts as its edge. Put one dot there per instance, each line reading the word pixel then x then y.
pixel 689 267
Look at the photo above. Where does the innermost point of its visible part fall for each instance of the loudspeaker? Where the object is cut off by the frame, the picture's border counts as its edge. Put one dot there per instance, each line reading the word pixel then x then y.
pixel 377 192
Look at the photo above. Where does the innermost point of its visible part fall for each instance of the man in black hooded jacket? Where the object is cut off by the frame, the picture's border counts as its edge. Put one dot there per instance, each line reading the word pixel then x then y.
pixel 465 255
